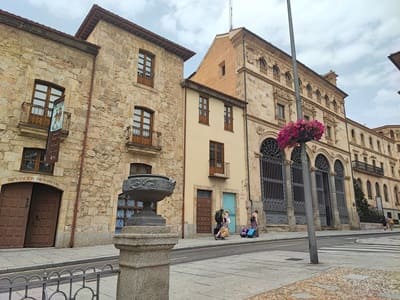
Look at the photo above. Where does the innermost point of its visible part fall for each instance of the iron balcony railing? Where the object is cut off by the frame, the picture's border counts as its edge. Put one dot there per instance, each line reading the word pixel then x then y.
pixel 367 168
pixel 218 169
pixel 39 116
pixel 143 138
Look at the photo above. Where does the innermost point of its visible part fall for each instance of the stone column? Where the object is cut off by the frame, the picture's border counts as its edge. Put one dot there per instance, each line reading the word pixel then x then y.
pixel 144 262
pixel 335 210
pixel 313 181
pixel 289 196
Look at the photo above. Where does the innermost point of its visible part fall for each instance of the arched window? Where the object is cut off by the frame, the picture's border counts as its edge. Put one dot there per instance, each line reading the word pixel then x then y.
pixel 371 144
pixel 272 182
pixel 263 65
pixel 322 188
pixel 378 143
pixel 377 190
pixel 288 79
pixel 300 86
pixel 318 95
pixel 389 150
pixel 309 91
pixel 362 139
pixel 276 73
pixel 369 190
pixel 353 135
pixel 142 126
pixel 385 193
pixel 359 184
pixel 391 134
pixel 340 192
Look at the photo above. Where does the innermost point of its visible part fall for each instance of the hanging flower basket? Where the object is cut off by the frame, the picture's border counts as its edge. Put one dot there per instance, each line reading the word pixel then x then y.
pixel 300 132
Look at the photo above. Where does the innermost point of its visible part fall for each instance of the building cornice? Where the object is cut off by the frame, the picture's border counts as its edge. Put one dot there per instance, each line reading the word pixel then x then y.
pixel 47 32
pixel 98 13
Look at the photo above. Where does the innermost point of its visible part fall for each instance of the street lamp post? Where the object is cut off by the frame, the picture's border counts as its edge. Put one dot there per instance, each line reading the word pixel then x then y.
pixel 312 242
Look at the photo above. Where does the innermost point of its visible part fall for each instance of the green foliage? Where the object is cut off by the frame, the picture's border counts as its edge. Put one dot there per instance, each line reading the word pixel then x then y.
pixel 364 210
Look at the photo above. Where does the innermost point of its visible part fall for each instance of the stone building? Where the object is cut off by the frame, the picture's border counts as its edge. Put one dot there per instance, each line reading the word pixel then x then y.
pixel 243 65
pixel 215 159
pixel 376 165
pixel 123 114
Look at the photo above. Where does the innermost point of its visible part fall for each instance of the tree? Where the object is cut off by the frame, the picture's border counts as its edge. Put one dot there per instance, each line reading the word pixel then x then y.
pixel 363 208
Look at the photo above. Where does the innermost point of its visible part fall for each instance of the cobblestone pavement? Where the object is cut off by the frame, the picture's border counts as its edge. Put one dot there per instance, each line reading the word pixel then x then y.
pixel 338 284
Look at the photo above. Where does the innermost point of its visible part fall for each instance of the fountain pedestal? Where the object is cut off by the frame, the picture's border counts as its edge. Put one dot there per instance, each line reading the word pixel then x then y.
pixel 146 245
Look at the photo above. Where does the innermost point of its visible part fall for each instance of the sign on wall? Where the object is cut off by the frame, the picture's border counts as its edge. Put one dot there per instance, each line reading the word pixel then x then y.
pixel 54 132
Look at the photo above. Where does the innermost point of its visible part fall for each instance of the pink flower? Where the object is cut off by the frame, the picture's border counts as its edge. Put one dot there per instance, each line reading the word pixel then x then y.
pixel 300 131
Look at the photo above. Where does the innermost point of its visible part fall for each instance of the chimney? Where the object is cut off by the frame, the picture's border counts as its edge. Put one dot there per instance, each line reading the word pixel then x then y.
pixel 331 77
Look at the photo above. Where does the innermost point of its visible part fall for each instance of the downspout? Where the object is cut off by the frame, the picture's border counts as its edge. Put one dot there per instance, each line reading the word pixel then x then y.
pixel 246 126
pixel 184 164
pixel 84 145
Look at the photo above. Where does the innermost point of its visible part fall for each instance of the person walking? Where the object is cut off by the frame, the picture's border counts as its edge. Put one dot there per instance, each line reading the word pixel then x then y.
pixel 384 223
pixel 254 222
pixel 390 223
pixel 219 217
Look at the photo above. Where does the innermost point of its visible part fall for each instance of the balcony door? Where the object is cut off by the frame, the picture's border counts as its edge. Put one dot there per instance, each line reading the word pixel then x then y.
pixel 44 95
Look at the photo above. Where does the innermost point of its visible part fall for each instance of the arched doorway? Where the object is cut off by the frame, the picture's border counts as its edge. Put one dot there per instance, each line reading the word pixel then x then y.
pixel 322 182
pixel 340 192
pixel 272 182
pixel 28 215
pixel 298 186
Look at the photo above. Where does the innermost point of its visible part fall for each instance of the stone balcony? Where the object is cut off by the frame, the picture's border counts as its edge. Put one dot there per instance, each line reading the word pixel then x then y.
pixel 219 170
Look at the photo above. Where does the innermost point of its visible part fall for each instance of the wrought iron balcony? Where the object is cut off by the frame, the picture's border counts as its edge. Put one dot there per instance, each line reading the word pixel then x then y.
pixel 221 170
pixel 367 168
pixel 143 142
pixel 35 120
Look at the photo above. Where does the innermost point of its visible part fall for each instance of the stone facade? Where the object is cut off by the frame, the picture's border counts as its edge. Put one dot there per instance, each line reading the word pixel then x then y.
pixel 376 165
pixel 101 89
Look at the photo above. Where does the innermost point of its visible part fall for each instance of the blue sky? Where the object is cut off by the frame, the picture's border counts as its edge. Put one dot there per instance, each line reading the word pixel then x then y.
pixel 353 38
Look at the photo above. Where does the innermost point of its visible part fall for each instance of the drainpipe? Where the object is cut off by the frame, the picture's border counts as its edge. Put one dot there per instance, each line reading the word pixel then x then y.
pixel 184 164
pixel 246 126
pixel 84 145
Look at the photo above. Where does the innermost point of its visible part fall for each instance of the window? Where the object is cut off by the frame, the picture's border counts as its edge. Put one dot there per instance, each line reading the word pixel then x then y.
pixel 369 190
pixel 276 73
pixel 389 150
pixel 352 134
pixel 335 107
pixel 280 111
pixel 389 214
pixel 362 139
pixel 385 193
pixel 329 132
pixel 392 169
pixel 145 68
pixel 307 118
pixel 228 117
pixel 43 98
pixel 396 195
pixel 378 143
pixel 398 147
pixel 216 158
pixel 33 161
pixel 391 133
pixel 318 95
pixel 288 79
pixel 356 157
pixel 365 159
pixel 382 165
pixel 377 190
pixel 327 103
pixel 138 168
pixel 263 65
pixel 142 126
pixel 309 91
pixel 300 86
pixel 370 143
pixel 203 110
pixel 222 68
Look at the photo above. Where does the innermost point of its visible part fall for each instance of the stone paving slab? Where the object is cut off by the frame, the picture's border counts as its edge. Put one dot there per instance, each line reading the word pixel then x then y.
pixel 340 284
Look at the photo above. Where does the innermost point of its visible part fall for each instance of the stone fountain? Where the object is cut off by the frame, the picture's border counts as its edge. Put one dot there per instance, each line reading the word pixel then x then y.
pixel 145 244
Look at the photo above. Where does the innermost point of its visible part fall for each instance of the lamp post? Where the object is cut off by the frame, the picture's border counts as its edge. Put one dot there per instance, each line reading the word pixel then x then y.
pixel 312 242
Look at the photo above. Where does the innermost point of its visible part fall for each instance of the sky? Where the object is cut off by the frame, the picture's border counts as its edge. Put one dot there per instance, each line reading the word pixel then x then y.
pixel 353 38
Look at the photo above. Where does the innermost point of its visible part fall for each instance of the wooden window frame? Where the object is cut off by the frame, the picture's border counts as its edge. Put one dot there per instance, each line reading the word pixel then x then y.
pixel 39 166
pixel 204 105
pixel 145 76
pixel 280 108
pixel 228 117
pixel 217 158
pixel 40 114
pixel 138 130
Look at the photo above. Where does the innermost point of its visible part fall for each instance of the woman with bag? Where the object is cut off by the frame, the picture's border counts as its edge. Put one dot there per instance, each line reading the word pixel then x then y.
pixel 224 231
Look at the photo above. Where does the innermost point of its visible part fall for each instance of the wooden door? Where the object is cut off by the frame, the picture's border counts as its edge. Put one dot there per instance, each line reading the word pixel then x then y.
pixel 203 219
pixel 14 208
pixel 43 216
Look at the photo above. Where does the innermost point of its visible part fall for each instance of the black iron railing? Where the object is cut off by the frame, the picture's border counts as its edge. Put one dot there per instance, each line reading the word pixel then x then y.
pixel 367 168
